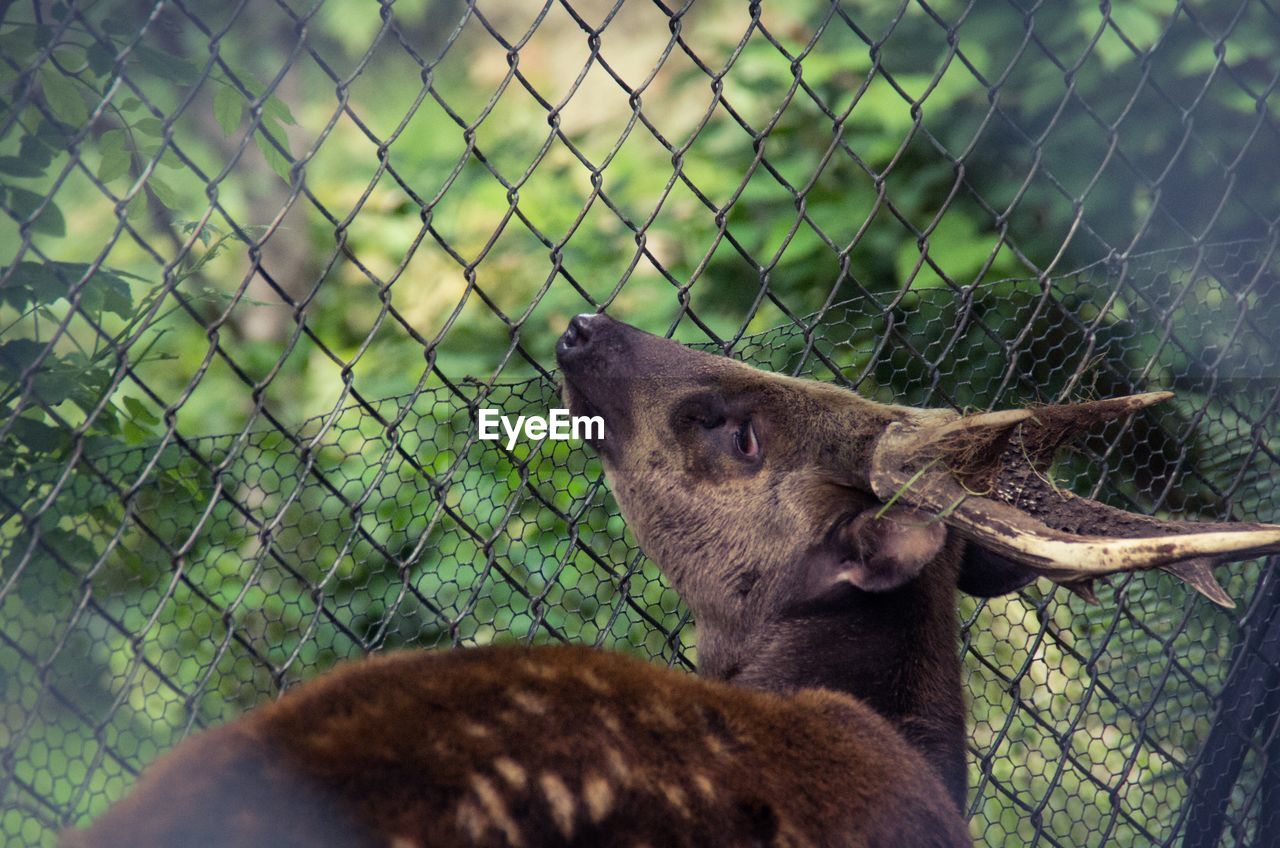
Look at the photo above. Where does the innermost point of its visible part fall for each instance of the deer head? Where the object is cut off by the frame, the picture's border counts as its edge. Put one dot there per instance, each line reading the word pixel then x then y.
pixel 758 466
pixel 819 537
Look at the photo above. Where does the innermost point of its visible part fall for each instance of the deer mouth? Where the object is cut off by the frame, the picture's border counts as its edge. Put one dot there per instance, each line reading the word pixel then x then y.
pixel 588 354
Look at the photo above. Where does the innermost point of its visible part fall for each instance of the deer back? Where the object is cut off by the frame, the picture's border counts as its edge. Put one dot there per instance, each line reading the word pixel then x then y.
pixel 515 746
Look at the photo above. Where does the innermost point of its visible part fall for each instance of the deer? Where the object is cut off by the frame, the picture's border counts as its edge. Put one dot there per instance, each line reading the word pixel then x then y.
pixel 819 539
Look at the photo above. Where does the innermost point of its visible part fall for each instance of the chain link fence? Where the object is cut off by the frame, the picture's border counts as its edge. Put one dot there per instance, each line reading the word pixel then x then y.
pixel 264 260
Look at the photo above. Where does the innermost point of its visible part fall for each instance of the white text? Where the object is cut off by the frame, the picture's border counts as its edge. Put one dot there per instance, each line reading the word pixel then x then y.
pixel 558 425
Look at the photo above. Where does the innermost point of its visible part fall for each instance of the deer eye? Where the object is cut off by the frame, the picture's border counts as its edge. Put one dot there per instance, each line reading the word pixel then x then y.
pixel 744 439
pixel 712 422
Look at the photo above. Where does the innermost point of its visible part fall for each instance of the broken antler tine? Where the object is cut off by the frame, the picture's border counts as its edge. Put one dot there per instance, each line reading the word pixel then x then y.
pixel 1117 406
pixel 973 447
pixel 1050 426
pixel 1087 413
pixel 1083 589
pixel 1198 574
pixel 1061 418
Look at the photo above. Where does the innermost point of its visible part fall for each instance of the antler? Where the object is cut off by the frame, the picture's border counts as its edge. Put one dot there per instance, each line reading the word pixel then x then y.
pixel 983 475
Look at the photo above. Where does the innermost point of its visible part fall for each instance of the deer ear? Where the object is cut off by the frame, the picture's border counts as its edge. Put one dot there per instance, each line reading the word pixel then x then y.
pixel 987 575
pixel 876 551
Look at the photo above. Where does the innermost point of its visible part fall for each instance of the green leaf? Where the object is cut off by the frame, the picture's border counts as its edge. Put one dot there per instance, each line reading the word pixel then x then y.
pixel 115 159
pixel 17 355
pixel 149 126
pixel 106 422
pixel 33 284
pixel 112 140
pixel 106 292
pixel 173 69
pixel 101 58
pixel 250 82
pixel 133 434
pixel 34 150
pixel 25 204
pixel 63 96
pixel 274 157
pixel 206 233
pixel 169 159
pixel 228 108
pixel 90 383
pixel 136 212
pixel 55 381
pixel 139 412
pixel 51 134
pixel 162 191
pixel 36 284
pixel 114 164
pixel 36 436
pixel 188 485
pixel 273 105
pixel 18 166
pixel 22 44
pixel 278 109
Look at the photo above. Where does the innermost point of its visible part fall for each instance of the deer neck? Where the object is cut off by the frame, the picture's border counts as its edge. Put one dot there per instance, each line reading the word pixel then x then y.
pixel 895 651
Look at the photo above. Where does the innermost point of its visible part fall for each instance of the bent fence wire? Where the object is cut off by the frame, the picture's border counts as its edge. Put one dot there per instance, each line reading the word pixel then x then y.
pixel 265 260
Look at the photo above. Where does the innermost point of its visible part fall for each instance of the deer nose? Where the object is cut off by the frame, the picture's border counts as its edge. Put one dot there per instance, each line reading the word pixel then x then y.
pixel 580 331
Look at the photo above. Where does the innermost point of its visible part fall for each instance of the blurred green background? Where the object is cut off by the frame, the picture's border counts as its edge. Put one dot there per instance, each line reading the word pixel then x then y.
pixel 262 260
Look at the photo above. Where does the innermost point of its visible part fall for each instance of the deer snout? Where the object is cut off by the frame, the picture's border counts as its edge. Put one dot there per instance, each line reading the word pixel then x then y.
pixel 578 332
pixel 582 337
pixel 595 354
pixel 593 348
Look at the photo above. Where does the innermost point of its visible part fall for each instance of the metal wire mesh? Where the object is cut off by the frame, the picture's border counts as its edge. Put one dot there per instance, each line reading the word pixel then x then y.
pixel 332 235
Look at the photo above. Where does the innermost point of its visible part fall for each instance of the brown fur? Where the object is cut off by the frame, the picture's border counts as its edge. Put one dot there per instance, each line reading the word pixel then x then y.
pixel 410 749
